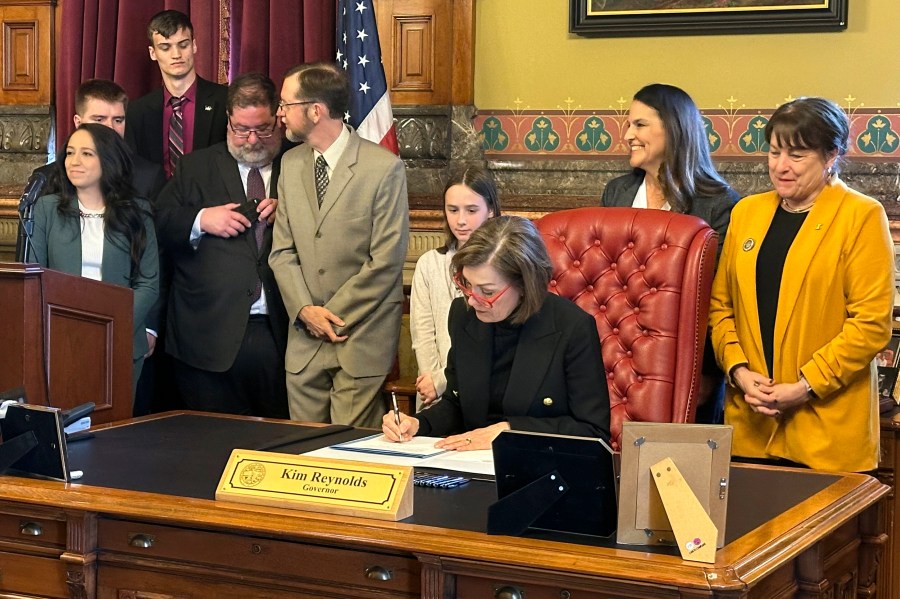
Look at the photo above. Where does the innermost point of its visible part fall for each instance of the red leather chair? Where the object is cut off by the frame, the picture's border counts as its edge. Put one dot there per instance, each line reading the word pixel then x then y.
pixel 645 276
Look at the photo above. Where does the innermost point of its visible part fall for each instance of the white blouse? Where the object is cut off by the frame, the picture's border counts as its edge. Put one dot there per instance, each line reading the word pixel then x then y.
pixel 640 198
pixel 92 225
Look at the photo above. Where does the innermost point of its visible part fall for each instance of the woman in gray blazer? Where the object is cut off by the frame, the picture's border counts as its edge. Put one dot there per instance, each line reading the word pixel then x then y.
pixel 96 227
pixel 673 171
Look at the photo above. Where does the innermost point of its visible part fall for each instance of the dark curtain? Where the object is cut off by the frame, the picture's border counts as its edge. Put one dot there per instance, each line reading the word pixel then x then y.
pixel 272 36
pixel 108 39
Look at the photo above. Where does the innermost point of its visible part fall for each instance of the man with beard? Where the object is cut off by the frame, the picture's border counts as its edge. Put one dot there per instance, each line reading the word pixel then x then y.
pixel 227 326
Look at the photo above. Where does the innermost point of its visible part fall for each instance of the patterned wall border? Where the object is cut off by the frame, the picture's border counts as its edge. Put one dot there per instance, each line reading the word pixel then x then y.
pixel 597 134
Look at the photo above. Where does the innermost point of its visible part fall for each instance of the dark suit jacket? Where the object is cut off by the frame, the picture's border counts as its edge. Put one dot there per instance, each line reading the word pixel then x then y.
pixel 211 287
pixel 144 120
pixel 715 210
pixel 147 178
pixel 57 245
pixel 557 359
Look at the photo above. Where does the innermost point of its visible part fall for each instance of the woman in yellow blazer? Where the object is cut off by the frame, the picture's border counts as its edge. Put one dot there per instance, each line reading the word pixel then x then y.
pixel 802 302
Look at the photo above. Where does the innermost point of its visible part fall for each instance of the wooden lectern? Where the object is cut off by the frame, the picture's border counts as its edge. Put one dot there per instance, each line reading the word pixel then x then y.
pixel 66 339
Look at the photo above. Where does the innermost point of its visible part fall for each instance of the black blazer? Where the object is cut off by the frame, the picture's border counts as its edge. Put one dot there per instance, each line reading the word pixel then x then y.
pixel 210 291
pixel 715 210
pixel 557 383
pixel 144 120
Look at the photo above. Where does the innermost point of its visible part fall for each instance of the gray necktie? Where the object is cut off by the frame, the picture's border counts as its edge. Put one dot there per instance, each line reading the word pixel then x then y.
pixel 321 179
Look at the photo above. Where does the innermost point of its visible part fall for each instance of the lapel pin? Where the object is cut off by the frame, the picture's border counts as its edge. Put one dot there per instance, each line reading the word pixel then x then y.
pixel 748 244
pixel 207 108
pixel 548 401
pixel 455 393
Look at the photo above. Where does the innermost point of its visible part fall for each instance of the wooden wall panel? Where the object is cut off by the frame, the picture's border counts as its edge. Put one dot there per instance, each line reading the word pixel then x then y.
pixel 413 58
pixel 418 46
pixel 26 37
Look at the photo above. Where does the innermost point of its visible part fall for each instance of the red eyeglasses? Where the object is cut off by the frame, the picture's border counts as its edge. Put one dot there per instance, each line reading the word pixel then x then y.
pixel 485 302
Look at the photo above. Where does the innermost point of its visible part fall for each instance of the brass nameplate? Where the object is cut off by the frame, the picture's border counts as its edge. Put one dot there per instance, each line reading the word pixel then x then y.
pixel 316 484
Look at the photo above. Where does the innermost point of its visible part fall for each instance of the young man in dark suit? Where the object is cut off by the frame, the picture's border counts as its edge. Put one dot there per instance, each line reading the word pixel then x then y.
pixel 227 326
pixel 188 112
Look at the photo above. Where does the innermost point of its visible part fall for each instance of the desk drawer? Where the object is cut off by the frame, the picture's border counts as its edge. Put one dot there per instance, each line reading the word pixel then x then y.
pixel 30 575
pixel 24 527
pixel 257 555
pixel 478 587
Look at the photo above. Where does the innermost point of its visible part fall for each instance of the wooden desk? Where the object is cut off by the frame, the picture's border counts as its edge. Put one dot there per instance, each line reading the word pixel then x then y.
pixel 74 540
pixel 889 571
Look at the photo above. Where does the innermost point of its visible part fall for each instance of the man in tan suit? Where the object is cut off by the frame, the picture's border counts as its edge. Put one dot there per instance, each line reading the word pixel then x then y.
pixel 339 243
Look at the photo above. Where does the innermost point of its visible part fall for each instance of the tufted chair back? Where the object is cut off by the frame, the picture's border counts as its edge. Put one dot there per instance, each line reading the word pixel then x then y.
pixel 645 276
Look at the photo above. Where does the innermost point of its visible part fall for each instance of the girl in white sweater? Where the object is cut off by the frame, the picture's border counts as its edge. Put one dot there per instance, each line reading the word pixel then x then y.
pixel 470 198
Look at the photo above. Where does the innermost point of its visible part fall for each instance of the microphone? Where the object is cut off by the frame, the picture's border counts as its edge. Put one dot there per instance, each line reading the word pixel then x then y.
pixel 33 190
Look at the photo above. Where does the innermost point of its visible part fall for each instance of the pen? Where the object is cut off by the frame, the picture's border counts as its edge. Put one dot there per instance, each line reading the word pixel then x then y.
pixel 396 413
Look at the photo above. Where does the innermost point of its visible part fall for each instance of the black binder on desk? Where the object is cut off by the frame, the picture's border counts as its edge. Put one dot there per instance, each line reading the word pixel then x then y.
pixel 553 482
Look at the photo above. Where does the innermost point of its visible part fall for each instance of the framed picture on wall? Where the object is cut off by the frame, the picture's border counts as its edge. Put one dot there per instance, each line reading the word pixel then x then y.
pixel 618 18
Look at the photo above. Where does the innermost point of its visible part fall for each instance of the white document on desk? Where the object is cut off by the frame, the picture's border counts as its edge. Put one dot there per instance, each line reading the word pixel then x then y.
pixel 408 454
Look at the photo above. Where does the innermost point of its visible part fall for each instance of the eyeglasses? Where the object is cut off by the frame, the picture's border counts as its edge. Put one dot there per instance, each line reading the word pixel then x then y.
pixel 485 302
pixel 282 104
pixel 260 133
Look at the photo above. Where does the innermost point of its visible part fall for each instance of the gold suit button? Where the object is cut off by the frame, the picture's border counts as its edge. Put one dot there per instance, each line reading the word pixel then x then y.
pixel 548 401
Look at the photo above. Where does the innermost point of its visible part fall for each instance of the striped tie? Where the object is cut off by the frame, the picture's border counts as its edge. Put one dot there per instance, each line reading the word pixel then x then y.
pixel 176 132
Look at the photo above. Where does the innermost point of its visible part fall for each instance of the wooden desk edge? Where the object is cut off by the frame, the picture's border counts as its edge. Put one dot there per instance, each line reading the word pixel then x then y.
pixel 738 565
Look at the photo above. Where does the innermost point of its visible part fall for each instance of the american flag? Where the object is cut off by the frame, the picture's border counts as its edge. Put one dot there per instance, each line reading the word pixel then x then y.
pixel 359 54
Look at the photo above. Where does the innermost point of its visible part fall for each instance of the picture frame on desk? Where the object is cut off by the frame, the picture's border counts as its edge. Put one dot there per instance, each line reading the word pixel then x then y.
pixel 621 18
pixel 890 355
pixel 887 382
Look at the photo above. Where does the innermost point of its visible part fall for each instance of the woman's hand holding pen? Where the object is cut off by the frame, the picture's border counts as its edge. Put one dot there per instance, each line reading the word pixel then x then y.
pixel 399 429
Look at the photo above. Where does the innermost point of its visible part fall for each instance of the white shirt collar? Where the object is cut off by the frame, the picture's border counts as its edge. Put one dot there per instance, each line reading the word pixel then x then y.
pixel 335 150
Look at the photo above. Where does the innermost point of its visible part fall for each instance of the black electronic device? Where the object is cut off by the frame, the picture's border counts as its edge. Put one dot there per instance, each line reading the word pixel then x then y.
pixel 34 442
pixel 248 209
pixel 553 482
pixel 75 414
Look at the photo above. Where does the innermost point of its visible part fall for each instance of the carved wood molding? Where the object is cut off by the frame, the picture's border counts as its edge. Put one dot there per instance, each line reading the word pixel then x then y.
pixel 427 47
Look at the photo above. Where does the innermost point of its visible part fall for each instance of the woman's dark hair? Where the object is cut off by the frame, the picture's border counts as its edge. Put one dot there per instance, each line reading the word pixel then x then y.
pixel 513 246
pixel 811 124
pixel 123 213
pixel 687 171
pixel 480 181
